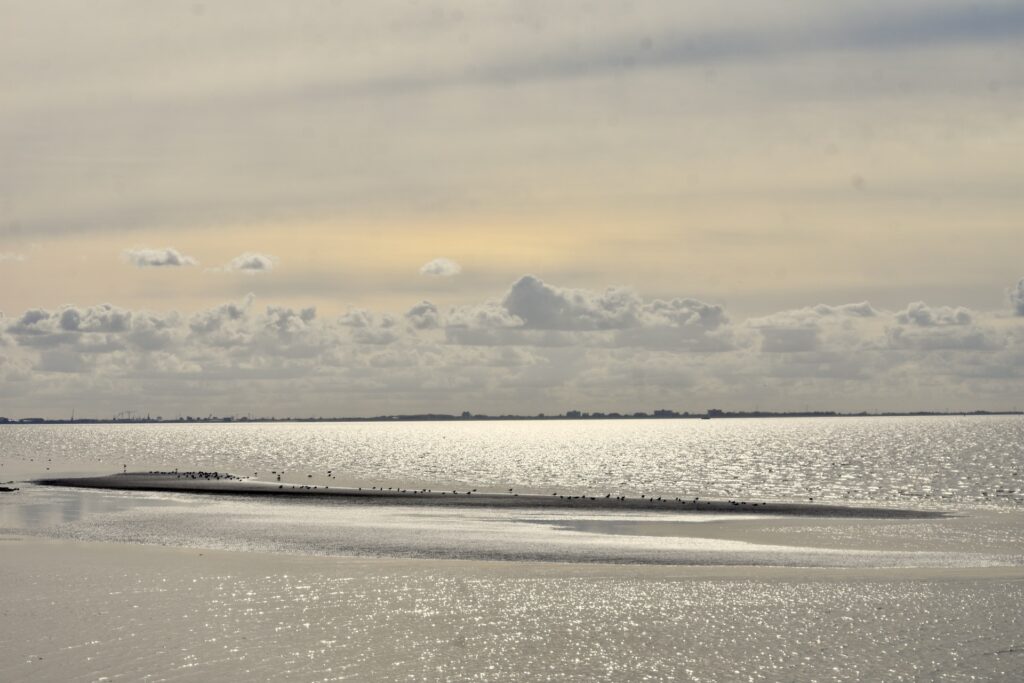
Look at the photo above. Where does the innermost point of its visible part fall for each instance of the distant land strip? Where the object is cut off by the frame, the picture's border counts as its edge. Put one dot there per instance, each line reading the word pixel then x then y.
pixel 132 417
pixel 219 483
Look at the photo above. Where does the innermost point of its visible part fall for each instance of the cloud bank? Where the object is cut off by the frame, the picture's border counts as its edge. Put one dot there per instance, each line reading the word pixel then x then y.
pixel 539 347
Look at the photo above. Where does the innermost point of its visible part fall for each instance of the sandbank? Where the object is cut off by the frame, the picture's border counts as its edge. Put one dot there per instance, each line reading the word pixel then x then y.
pixel 219 483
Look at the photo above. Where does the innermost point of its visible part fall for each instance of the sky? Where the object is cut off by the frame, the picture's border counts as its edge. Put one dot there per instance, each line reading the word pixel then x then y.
pixel 350 208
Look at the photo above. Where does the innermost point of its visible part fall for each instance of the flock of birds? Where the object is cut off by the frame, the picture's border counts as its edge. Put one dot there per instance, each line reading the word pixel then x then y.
pixel 200 475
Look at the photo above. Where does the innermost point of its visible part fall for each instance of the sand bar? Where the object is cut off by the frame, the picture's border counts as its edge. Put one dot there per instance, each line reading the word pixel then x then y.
pixel 220 483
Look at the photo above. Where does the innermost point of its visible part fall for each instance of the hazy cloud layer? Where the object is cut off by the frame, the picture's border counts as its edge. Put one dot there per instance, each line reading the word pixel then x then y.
pixel 11 256
pixel 157 258
pixel 539 348
pixel 650 143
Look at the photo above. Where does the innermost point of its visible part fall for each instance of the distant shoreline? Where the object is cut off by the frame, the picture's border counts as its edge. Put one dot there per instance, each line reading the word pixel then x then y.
pixel 466 417
pixel 226 484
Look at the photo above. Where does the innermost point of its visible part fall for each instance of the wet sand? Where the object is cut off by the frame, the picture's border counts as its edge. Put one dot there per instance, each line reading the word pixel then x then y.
pixel 226 484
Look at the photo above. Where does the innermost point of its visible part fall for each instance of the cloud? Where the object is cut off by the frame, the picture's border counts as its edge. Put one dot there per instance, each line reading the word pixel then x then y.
pixel 368 327
pixel 424 316
pixel 158 258
pixel 287 321
pixel 488 315
pixel 251 263
pixel 1017 297
pixel 919 313
pixel 225 325
pixel 812 327
pixel 534 312
pixel 545 307
pixel 92 330
pixel 540 347
pixel 11 256
pixel 441 267
pixel 812 315
pixel 788 339
pixel 934 338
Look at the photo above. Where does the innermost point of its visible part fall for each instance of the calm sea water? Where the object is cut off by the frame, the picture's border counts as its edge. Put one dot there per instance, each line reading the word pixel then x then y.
pixel 944 462
pixel 580 595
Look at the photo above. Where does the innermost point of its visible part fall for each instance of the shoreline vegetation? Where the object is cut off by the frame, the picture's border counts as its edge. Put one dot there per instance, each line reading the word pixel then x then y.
pixel 133 417
pixel 219 483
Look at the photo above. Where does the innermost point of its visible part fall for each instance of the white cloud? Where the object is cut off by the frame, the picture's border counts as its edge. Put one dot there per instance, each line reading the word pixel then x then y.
pixel 533 312
pixel 424 316
pixel 367 327
pixel 158 258
pixel 488 315
pixel 546 307
pixel 844 326
pixel 11 256
pixel 251 263
pixel 441 267
pixel 923 315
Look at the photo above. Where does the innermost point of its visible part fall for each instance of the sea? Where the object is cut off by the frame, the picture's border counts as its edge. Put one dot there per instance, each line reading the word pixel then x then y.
pixel 345 590
pixel 946 462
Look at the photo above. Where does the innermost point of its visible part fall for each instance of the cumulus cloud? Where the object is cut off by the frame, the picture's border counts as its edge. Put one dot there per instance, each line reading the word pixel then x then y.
pixel 488 315
pixel 158 258
pixel 923 315
pixel 547 307
pixel 534 312
pixel 214 319
pixel 251 263
pixel 440 267
pixel 11 256
pixel 72 337
pixel 1017 297
pixel 368 327
pixel 808 329
pixel 424 316
pixel 287 321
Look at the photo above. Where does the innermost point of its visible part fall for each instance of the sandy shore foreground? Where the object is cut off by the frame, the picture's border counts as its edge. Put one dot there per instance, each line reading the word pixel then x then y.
pixel 228 484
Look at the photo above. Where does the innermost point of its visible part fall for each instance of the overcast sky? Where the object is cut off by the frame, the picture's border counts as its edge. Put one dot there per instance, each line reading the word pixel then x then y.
pixel 326 208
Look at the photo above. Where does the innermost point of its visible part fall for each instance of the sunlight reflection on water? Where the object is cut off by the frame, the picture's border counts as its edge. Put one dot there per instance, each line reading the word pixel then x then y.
pixel 931 461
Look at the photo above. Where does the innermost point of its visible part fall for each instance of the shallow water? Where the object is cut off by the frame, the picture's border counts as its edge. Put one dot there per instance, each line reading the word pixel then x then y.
pixel 344 527
pixel 159 614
